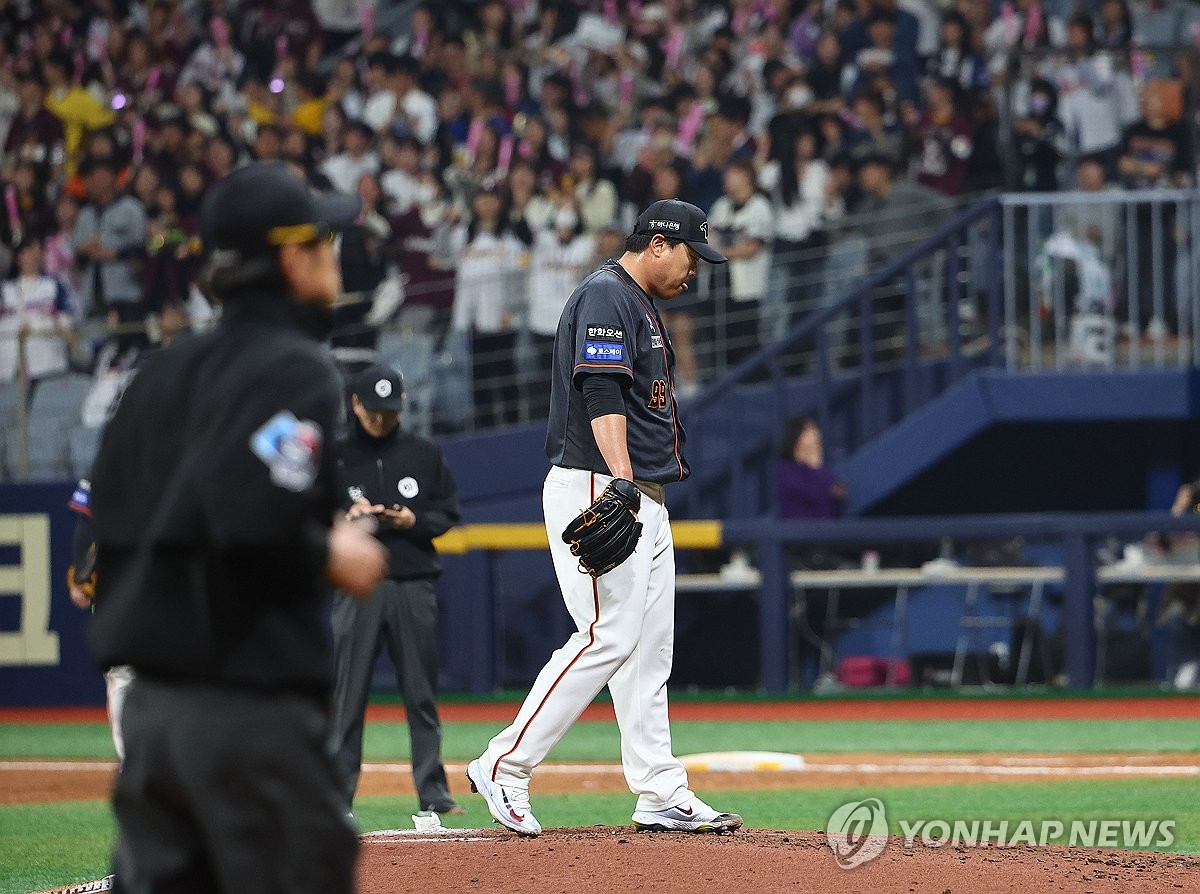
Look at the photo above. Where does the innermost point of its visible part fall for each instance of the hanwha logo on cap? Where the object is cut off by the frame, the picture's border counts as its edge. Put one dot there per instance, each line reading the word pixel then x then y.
pixel 383 388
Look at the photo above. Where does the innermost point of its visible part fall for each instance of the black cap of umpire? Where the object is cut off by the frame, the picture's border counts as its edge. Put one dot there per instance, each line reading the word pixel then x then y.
pixel 249 213
pixel 677 219
pixel 379 388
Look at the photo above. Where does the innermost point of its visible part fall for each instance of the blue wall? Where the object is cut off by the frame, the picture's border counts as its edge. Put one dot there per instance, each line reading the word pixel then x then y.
pixel 67 677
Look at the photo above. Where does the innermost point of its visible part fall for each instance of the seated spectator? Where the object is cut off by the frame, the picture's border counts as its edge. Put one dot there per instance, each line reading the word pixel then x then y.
pixel 804 486
pixel 35 310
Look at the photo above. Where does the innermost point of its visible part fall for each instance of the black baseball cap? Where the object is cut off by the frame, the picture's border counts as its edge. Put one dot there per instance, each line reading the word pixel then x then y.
pixel 676 219
pixel 379 388
pixel 263 205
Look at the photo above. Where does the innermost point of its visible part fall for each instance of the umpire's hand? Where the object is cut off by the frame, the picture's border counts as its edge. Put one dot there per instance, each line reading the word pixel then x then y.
pixel 357 561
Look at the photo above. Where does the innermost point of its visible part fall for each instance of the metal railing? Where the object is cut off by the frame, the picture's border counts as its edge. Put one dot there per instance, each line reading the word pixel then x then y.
pixel 1072 538
pixel 1101 280
pixel 1076 536
pixel 938 302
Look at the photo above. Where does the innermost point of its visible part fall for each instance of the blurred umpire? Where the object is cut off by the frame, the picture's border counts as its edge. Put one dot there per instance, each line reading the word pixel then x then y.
pixel 399 482
pixel 213 496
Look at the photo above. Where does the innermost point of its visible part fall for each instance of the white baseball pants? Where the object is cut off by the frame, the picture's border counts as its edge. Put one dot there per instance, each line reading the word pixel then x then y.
pixel 116 684
pixel 626 628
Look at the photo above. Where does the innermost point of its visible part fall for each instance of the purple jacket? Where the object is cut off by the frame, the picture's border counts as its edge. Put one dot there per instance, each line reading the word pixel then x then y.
pixel 804 492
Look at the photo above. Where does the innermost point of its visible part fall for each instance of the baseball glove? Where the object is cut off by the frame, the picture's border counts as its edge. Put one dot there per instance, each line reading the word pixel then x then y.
pixel 606 533
pixel 84 576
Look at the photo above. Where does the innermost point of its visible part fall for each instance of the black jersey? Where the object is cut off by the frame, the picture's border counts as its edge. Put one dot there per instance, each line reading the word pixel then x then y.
pixel 213 492
pixel 610 326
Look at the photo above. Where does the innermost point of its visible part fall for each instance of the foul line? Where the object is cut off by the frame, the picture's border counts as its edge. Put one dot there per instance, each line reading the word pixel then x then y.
pixel 1015 766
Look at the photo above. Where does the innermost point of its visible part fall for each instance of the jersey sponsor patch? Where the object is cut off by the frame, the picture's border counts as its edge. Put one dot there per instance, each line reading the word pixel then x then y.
pixel 291 449
pixel 656 341
pixel 83 492
pixel 81 497
pixel 604 350
pixel 597 332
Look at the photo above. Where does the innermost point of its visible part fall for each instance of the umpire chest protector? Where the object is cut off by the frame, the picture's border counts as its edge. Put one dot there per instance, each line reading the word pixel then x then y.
pixel 610 326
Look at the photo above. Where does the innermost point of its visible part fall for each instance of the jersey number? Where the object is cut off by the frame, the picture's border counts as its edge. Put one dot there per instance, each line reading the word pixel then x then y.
pixel 658 395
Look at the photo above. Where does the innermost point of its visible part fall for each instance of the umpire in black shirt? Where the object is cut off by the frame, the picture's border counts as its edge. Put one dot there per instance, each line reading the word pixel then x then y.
pixel 214 501
pixel 399 481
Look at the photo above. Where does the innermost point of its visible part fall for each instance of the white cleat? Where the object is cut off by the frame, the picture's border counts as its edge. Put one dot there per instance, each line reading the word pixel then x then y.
pixel 508 806
pixel 692 815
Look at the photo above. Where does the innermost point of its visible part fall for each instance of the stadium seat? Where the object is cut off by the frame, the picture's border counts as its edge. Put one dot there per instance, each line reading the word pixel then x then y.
pixel 61 397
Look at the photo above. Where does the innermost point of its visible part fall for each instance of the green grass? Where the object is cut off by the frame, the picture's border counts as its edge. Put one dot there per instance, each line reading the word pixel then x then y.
pixel 45 845
pixel 598 741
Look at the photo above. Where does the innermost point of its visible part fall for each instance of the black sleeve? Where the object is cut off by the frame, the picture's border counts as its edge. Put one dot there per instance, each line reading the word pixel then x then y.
pixel 275 464
pixel 83 557
pixel 603 395
pixel 442 512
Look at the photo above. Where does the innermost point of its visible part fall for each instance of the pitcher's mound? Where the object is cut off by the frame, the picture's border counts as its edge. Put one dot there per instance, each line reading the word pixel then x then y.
pixel 606 858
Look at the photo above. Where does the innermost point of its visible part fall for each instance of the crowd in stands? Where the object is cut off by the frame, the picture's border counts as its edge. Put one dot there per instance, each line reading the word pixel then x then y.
pixel 501 148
